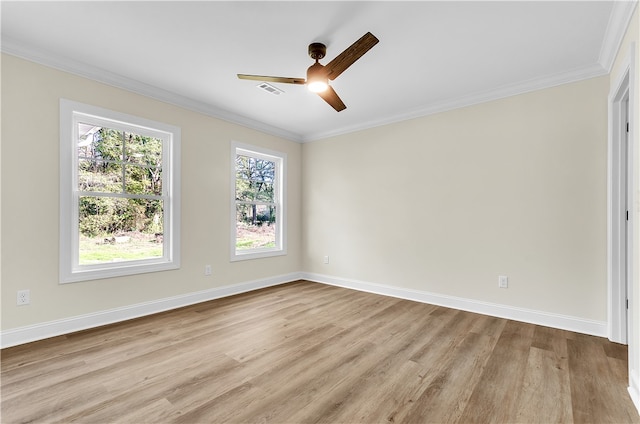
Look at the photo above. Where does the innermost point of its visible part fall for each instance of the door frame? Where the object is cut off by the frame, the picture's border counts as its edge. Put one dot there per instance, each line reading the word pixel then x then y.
pixel 618 194
pixel 625 82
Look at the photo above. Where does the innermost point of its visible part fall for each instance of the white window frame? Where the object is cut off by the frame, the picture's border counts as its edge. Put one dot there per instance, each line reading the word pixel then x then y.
pixel 71 113
pixel 280 194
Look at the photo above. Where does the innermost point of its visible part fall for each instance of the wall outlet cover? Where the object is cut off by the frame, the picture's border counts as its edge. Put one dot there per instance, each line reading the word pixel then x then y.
pixel 24 297
pixel 503 281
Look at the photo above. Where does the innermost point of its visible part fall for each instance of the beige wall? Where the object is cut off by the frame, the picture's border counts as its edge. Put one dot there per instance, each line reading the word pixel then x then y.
pixel 30 152
pixel 446 203
pixel 442 204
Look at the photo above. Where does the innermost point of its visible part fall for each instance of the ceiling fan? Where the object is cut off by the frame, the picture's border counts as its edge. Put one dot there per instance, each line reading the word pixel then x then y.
pixel 318 75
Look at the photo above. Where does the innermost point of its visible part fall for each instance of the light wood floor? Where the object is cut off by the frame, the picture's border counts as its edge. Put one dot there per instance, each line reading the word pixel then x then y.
pixel 306 352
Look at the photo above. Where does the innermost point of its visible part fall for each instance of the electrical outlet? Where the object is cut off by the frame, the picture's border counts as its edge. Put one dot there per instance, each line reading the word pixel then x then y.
pixel 24 297
pixel 326 259
pixel 503 281
pixel 207 270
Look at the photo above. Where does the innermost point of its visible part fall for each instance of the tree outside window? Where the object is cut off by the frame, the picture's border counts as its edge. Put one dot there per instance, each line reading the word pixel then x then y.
pixel 120 209
pixel 258 204
pixel 119 194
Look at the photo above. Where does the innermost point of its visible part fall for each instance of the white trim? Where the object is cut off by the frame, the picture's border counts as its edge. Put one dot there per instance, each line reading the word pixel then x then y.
pixel 280 186
pixel 49 329
pixel 624 83
pixel 634 349
pixel 621 15
pixel 70 271
pixel 634 390
pixel 505 91
pixel 15 48
pixel 617 269
pixel 547 319
pixel 12 47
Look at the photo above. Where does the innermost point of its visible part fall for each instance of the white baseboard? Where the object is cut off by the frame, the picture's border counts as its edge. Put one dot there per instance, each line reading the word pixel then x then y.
pixel 563 322
pixel 634 390
pixel 49 329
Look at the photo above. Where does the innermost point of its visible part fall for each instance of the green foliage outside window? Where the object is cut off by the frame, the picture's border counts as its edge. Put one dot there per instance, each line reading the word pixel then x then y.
pixel 255 185
pixel 255 203
pixel 127 165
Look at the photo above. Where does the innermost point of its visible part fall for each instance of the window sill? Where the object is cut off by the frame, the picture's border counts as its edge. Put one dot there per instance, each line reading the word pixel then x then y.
pixel 122 270
pixel 255 254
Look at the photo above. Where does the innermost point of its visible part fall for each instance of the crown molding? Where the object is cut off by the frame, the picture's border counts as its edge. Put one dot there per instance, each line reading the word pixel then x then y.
pixel 504 91
pixel 14 48
pixel 621 15
pixel 619 19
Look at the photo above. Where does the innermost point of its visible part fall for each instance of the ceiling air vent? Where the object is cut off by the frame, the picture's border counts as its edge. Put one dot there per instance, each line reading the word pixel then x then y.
pixel 270 88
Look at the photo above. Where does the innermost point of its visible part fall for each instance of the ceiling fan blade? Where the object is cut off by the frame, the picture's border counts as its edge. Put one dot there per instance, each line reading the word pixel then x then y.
pixel 284 80
pixel 330 96
pixel 354 52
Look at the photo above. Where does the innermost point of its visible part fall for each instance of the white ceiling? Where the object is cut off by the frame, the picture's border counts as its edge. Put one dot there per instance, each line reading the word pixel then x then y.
pixel 432 56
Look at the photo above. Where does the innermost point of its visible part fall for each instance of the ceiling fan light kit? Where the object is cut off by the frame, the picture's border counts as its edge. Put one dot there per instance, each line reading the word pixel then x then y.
pixel 318 75
pixel 317 80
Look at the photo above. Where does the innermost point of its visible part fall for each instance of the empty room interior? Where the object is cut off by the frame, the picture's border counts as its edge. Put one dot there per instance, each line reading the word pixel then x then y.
pixel 310 211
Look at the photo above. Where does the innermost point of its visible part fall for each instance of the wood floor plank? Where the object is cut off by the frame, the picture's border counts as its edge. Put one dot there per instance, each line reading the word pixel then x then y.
pixel 552 340
pixel 488 326
pixel 196 376
pixel 458 324
pixel 448 392
pixel 593 390
pixel 298 385
pixel 18 381
pixel 390 388
pixel 56 400
pixel 546 373
pixel 156 411
pixel 494 399
pixel 310 353
pixel 619 368
pixel 394 345
pixel 615 350
pixel 377 397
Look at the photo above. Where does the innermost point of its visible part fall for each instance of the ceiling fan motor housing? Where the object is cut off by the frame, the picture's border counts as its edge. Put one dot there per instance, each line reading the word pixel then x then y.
pixel 315 72
pixel 317 51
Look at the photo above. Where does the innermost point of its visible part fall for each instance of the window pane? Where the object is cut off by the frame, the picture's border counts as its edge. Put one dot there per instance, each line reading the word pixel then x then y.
pixel 88 136
pixel 245 190
pixel 264 170
pixel 95 175
pixel 143 150
pixel 255 226
pixel 116 229
pixel 254 179
pixel 264 192
pixel 248 168
pixel 106 144
pixel 243 170
pixel 143 180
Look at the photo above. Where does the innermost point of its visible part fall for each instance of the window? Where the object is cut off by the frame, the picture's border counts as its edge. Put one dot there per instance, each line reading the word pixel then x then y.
pixel 119 194
pixel 258 213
